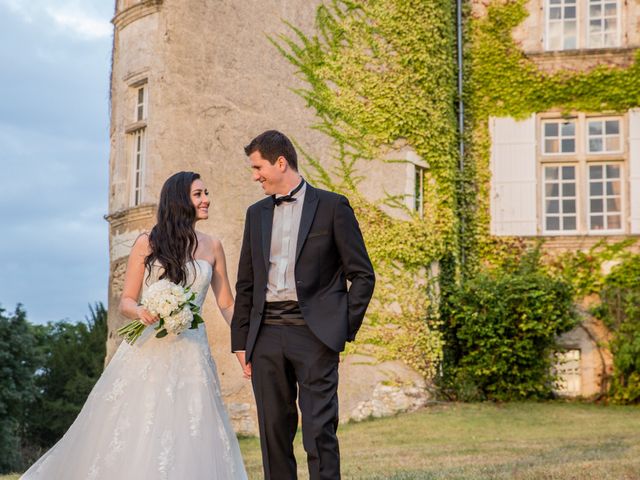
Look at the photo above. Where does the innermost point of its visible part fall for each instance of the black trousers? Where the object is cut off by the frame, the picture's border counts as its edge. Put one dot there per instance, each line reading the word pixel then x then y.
pixel 289 360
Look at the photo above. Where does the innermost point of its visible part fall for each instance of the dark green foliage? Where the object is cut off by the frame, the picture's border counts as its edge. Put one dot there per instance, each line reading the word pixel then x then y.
pixel 46 374
pixel 73 361
pixel 620 310
pixel 18 361
pixel 502 326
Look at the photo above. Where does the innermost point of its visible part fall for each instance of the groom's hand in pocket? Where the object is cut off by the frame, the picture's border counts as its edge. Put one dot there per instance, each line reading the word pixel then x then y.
pixel 246 367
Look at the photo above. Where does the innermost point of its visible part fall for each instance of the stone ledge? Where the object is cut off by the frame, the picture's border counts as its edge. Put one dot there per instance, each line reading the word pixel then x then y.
pixel 135 12
pixel 581 242
pixel 583 59
pixel 127 215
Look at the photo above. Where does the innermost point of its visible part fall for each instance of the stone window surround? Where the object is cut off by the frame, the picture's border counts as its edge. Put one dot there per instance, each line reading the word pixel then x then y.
pixel 582 159
pixel 582 27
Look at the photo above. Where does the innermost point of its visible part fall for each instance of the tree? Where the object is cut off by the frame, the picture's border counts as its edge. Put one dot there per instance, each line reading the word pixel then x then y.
pixel 18 361
pixel 73 361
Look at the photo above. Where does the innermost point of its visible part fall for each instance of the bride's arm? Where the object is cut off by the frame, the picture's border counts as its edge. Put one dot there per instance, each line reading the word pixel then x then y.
pixel 220 282
pixel 133 279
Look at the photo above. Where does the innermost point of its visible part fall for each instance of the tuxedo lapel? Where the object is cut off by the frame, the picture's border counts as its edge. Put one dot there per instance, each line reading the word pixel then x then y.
pixel 267 224
pixel 308 214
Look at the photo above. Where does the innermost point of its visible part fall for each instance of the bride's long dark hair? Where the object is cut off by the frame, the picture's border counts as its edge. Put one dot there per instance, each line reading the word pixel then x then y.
pixel 173 239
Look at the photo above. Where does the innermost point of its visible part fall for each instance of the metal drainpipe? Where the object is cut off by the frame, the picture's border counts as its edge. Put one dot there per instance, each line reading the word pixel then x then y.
pixel 460 107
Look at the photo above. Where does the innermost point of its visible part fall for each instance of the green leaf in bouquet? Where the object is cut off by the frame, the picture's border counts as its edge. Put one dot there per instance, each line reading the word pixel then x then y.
pixel 160 324
pixel 197 320
pixel 162 333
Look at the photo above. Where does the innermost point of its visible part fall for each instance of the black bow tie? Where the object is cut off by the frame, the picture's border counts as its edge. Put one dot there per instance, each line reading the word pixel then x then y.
pixel 287 198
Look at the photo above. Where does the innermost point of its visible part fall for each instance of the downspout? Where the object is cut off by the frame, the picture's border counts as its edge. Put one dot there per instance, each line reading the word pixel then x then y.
pixel 460 113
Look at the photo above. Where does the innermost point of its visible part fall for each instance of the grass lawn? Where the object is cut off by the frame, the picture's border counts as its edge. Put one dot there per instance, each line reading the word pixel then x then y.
pixel 485 441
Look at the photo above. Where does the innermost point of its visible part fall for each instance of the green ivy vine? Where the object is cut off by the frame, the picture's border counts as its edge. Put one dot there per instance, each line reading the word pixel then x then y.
pixel 383 73
pixel 380 74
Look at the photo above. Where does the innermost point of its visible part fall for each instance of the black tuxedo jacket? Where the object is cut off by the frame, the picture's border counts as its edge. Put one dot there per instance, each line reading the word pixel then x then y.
pixel 329 252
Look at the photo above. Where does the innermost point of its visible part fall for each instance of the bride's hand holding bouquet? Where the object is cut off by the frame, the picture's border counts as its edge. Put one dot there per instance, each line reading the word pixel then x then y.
pixel 169 304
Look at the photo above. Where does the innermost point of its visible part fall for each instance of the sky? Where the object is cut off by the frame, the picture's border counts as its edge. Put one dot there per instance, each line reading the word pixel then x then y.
pixel 55 58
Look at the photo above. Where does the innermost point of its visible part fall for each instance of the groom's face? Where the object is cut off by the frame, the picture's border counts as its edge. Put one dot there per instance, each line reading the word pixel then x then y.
pixel 268 175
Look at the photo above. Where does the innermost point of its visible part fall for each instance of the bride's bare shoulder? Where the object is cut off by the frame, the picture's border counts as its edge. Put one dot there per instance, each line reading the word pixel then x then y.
pixel 141 244
pixel 211 241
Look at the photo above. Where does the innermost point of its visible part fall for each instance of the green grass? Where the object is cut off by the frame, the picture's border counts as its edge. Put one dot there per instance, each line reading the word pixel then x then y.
pixel 520 441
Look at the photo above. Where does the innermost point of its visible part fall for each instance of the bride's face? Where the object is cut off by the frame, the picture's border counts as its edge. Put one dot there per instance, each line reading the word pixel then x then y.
pixel 200 199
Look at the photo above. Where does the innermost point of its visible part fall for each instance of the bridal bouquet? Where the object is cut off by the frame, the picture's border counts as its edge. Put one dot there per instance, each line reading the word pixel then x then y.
pixel 174 306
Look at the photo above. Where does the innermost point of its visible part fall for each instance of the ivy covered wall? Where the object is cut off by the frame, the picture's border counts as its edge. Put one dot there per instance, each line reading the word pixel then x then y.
pixel 381 75
pixel 501 81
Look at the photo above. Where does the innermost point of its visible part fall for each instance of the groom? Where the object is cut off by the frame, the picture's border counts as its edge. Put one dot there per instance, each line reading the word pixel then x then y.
pixel 293 311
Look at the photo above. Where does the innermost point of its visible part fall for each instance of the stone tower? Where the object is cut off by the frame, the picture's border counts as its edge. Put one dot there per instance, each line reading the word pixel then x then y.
pixel 192 83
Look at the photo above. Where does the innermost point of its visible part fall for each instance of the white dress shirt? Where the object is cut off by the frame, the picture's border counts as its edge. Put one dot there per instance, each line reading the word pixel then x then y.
pixel 281 284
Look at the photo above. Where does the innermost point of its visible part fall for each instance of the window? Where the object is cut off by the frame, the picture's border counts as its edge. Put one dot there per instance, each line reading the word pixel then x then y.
pixel 136 132
pixel 562 25
pixel 559 137
pixel 573 24
pixel 605 197
pixel 582 175
pixel 604 23
pixel 141 104
pixel 560 198
pixel 415 180
pixel 568 373
pixel 138 163
pixel 604 136
pixel 419 190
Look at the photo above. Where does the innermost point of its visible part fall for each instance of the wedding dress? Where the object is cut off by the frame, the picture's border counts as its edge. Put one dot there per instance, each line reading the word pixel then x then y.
pixel 155 413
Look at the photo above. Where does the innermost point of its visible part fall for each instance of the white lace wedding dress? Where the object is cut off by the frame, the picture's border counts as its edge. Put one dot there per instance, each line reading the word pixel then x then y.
pixel 155 413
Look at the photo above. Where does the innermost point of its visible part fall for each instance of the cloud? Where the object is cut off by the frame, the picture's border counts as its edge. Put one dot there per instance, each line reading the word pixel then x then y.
pixel 81 24
pixel 84 19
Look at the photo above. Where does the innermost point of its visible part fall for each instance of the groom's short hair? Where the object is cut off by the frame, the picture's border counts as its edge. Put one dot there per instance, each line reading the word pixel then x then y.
pixel 271 145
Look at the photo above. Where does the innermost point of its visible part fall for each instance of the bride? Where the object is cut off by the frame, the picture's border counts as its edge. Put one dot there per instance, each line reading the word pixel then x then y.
pixel 156 412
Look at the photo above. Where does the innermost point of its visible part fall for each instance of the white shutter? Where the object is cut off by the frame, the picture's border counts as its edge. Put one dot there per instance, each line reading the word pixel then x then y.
pixel 634 169
pixel 513 176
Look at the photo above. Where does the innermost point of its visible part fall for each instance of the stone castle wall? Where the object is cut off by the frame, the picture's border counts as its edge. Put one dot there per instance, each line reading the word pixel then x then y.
pixel 214 81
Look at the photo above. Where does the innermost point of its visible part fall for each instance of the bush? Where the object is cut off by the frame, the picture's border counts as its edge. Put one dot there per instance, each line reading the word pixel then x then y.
pixel 620 310
pixel 502 326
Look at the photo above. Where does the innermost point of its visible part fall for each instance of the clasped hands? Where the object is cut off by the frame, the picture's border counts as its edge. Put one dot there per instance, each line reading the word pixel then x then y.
pixel 246 367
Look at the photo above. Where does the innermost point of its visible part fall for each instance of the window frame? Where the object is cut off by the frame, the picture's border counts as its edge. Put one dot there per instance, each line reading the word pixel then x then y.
pixel 138 162
pixel 588 198
pixel 143 104
pixel 560 121
pixel 619 6
pixel 583 159
pixel 547 15
pixel 136 133
pixel 621 134
pixel 560 198
pixel 583 20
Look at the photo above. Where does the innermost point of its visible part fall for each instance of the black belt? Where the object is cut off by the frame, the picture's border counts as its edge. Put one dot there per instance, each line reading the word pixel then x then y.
pixel 282 313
